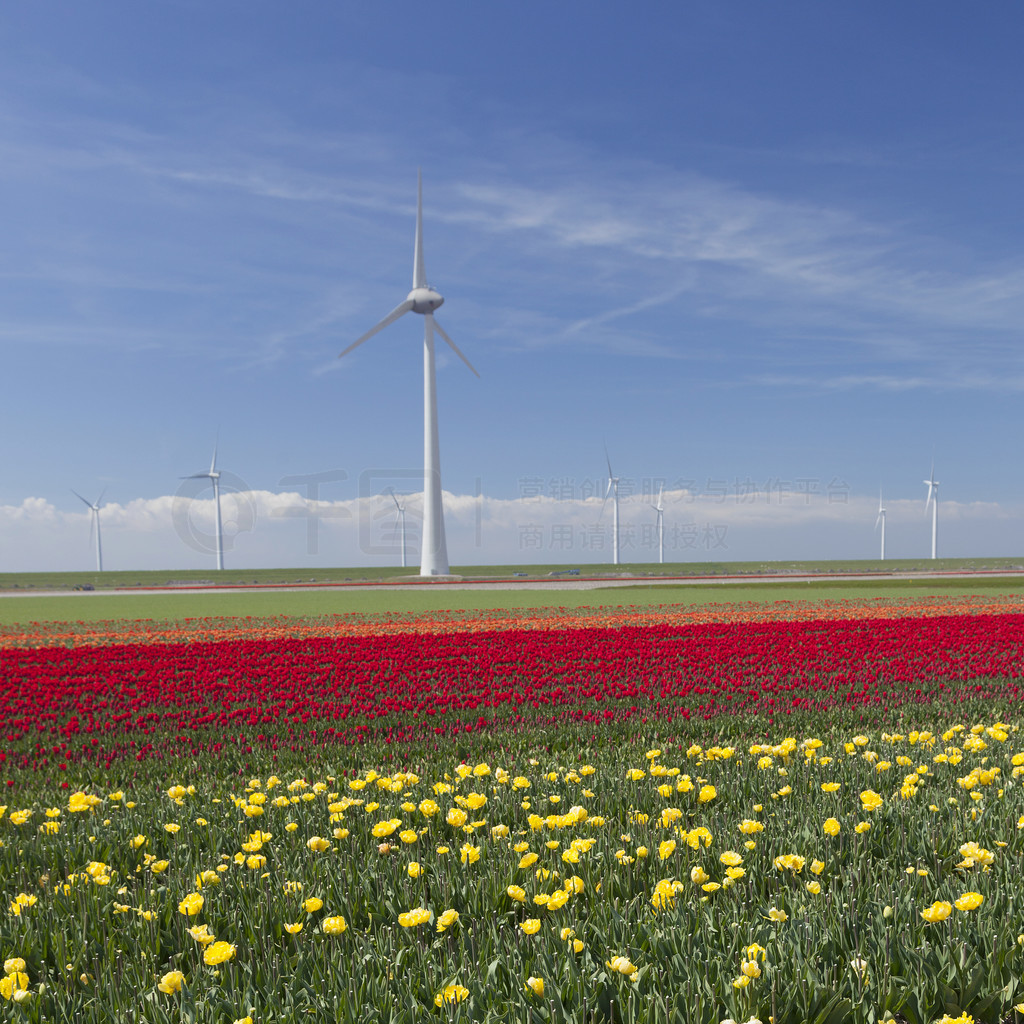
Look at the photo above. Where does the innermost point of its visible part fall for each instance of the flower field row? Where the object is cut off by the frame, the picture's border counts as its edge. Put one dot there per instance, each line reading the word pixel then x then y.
pixel 101 704
pixel 802 880
pixel 788 819
pixel 211 630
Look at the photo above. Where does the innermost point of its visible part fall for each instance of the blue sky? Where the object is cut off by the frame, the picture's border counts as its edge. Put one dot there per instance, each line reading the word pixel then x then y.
pixel 765 250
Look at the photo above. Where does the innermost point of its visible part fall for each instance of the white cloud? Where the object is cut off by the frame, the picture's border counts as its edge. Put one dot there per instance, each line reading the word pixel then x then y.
pixel 266 528
pixel 37 510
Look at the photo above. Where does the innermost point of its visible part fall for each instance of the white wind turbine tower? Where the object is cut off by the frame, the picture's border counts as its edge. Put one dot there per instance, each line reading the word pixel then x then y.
pixel 933 500
pixel 401 519
pixel 213 475
pixel 660 509
pixel 424 300
pixel 881 521
pixel 95 524
pixel 613 490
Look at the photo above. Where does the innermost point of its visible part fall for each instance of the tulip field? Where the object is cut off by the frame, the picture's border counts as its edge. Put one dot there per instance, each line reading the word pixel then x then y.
pixel 805 814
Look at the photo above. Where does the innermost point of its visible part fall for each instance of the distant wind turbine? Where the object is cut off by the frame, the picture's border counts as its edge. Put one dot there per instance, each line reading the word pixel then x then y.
pixel 213 475
pixel 613 490
pixel 660 509
pixel 881 521
pixel 933 500
pixel 401 519
pixel 424 300
pixel 95 524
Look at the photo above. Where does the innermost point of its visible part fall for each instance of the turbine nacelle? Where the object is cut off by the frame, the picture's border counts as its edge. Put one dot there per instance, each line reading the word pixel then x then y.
pixel 424 300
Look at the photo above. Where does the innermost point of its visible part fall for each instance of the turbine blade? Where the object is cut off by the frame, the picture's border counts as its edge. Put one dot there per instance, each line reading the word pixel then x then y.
pixel 419 273
pixel 100 498
pixel 80 498
pixel 213 461
pixel 455 348
pixel 398 311
pixel 608 459
pixel 395 500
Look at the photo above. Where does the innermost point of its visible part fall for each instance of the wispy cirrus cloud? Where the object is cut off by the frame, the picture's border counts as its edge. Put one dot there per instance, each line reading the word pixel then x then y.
pixel 894 382
pixel 602 253
pixel 770 243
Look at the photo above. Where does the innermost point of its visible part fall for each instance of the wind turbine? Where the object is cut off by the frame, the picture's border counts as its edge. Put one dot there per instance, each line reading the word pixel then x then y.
pixel 933 500
pixel 95 524
pixel 660 509
pixel 424 300
pixel 881 520
pixel 613 490
pixel 401 518
pixel 213 475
